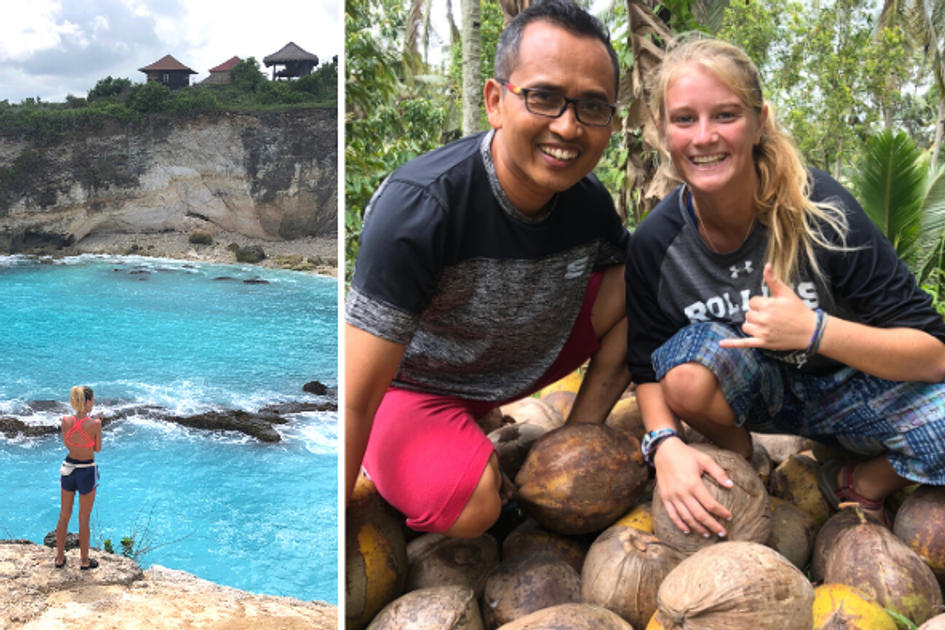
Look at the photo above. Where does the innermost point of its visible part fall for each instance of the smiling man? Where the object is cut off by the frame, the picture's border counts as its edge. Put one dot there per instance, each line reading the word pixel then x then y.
pixel 487 269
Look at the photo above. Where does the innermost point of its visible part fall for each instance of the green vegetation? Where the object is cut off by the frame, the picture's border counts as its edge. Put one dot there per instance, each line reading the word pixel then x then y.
pixel 124 103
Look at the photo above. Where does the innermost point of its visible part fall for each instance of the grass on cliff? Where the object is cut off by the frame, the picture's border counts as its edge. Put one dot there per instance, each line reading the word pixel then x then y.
pixel 119 101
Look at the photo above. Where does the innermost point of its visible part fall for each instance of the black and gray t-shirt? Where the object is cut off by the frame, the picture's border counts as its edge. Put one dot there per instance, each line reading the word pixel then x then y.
pixel 482 296
pixel 674 279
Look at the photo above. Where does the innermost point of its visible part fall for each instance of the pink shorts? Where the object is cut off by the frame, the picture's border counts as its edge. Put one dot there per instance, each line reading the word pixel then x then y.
pixel 426 454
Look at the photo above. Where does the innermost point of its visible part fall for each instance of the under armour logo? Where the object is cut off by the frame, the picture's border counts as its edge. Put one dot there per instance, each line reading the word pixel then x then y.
pixel 576 269
pixel 736 270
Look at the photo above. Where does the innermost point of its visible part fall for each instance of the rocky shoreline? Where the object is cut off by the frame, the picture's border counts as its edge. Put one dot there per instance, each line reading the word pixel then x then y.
pixel 119 595
pixel 313 254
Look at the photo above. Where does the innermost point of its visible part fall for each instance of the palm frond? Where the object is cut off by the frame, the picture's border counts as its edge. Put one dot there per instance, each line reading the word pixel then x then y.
pixel 710 13
pixel 890 184
pixel 933 223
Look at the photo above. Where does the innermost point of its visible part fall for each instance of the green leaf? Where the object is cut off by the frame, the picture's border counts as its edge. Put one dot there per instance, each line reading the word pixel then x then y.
pixel 904 623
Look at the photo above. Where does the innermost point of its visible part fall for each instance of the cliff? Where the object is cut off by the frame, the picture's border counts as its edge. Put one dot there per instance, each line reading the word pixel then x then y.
pixel 119 595
pixel 270 176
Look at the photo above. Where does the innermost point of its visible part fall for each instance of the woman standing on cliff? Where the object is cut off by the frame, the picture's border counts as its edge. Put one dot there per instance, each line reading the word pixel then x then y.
pixel 82 436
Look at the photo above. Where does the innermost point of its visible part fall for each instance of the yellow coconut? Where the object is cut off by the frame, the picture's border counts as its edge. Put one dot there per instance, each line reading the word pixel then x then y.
pixel 842 606
pixel 375 555
pixel 639 517
pixel 570 383
pixel 655 623
pixel 795 481
pixel 626 416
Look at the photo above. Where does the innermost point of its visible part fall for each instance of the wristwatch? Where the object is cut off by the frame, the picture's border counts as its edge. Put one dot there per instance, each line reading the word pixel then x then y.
pixel 652 439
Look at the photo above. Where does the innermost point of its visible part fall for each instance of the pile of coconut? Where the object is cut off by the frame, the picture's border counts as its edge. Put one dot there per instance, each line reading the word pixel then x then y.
pixel 590 546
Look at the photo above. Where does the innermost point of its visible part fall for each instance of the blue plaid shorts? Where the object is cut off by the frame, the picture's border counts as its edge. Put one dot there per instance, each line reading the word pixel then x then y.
pixel 845 408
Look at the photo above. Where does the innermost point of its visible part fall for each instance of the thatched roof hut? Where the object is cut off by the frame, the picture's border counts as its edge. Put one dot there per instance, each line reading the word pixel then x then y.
pixel 295 61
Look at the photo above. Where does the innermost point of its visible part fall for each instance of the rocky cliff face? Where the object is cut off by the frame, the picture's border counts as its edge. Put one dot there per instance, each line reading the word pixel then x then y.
pixel 119 595
pixel 269 176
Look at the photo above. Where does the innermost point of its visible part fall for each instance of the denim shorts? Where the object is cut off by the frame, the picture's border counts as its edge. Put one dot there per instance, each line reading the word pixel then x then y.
pixel 845 408
pixel 84 479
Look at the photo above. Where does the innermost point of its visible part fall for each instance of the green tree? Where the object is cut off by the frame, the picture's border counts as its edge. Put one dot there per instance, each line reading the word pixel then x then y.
pixel 109 88
pixel 149 98
pixel 246 75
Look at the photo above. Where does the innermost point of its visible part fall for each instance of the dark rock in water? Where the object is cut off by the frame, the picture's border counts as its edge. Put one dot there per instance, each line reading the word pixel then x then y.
pixel 139 271
pixel 11 427
pixel 41 406
pixel 18 541
pixel 255 281
pixel 224 278
pixel 298 407
pixel 258 426
pixel 72 540
pixel 315 387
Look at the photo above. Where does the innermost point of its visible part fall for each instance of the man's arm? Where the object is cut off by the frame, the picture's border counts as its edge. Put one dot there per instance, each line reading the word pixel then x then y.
pixel 370 365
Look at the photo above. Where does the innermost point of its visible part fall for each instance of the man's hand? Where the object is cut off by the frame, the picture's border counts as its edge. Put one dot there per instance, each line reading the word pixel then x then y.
pixel 688 504
pixel 779 322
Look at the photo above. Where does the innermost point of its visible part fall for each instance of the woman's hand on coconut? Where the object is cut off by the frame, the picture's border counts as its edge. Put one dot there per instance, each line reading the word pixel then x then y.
pixel 688 504
pixel 778 322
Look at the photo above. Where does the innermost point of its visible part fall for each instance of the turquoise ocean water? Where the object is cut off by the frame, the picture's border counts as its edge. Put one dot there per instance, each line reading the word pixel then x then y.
pixel 255 516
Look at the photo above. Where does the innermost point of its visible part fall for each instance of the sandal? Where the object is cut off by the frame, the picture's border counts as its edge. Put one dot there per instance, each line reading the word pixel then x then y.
pixel 62 565
pixel 835 494
pixel 93 564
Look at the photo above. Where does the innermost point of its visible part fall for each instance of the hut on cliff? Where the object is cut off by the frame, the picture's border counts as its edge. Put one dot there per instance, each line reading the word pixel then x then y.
pixel 168 71
pixel 221 73
pixel 295 62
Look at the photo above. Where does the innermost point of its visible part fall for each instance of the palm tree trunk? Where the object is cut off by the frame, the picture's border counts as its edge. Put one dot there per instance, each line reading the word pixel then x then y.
pixel 938 132
pixel 472 73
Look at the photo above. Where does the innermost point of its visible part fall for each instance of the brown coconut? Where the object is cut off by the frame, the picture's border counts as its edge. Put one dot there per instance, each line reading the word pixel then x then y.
pixel 531 538
pixel 623 572
pixel 846 518
pixel 920 523
pixel 512 443
pixel 524 584
pixel 570 617
pixel 736 586
pixel 780 447
pixel 793 532
pixel 869 557
pixel 437 560
pixel 626 416
pixel 935 623
pixel 747 500
pixel 375 555
pixel 533 411
pixel 761 462
pixel 795 481
pixel 561 402
pixel 580 479
pixel 441 607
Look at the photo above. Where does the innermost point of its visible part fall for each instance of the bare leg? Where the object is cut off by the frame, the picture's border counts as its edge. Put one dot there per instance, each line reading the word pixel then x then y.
pixel 62 527
pixel 484 506
pixel 85 512
pixel 875 479
pixel 693 393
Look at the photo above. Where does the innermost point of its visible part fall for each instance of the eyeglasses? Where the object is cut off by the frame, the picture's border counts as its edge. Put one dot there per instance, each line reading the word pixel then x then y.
pixel 543 103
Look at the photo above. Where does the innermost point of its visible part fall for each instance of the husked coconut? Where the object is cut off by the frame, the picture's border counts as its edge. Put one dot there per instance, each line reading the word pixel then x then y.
pixel 623 572
pixel 920 523
pixel 525 584
pixel 570 617
pixel 846 518
pixel 580 479
pixel 747 500
pixel 437 560
pixel 869 557
pixel 842 607
pixel 795 481
pixel 761 462
pixel 531 538
pixel 793 532
pixel 736 586
pixel 561 402
pixel 440 607
pixel 780 447
pixel 493 421
pixel 533 411
pixel 935 623
pixel 512 443
pixel 375 555
pixel 626 416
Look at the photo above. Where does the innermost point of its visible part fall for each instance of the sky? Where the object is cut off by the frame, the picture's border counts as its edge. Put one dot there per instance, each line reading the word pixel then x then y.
pixel 51 48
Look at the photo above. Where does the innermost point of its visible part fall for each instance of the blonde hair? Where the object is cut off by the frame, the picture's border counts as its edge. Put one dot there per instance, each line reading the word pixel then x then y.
pixel 78 397
pixel 782 200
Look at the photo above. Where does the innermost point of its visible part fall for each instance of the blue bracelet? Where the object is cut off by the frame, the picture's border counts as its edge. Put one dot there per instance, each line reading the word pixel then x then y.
pixel 653 439
pixel 819 326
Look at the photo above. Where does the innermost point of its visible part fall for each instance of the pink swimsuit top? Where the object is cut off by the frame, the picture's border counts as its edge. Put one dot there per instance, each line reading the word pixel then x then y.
pixel 77 430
